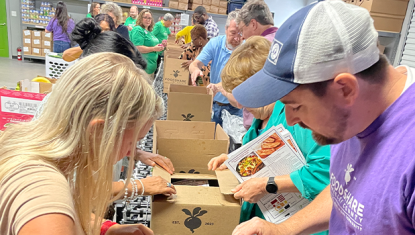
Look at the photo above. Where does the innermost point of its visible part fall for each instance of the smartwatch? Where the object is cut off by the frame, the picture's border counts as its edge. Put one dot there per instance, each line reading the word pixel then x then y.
pixel 271 187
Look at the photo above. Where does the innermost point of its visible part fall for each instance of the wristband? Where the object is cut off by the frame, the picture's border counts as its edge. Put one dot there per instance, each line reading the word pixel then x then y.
pixel 106 225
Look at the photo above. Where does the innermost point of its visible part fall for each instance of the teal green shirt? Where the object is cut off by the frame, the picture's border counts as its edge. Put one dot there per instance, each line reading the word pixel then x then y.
pixel 310 179
pixel 161 32
pixel 89 15
pixel 142 37
pixel 130 22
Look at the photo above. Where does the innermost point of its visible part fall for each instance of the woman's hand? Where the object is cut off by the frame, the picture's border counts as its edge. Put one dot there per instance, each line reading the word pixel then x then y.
pixel 151 159
pixel 217 163
pixel 184 46
pixel 251 190
pixel 158 48
pixel 186 64
pixel 156 185
pixel 129 229
pixel 164 42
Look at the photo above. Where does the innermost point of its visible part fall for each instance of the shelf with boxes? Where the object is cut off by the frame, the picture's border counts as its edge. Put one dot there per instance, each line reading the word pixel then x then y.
pixel 36 43
pixel 217 7
pixel 36 16
pixel 156 6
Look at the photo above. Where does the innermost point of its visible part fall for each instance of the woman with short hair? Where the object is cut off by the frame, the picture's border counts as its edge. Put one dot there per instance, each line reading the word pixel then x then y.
pixel 115 11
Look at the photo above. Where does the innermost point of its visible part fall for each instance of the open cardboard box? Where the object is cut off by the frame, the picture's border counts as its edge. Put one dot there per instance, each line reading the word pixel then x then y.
pixel 189 103
pixel 35 87
pixel 174 73
pixel 195 209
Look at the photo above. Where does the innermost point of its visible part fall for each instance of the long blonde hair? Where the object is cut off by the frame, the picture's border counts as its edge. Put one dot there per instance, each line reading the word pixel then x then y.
pixel 104 86
pixel 245 61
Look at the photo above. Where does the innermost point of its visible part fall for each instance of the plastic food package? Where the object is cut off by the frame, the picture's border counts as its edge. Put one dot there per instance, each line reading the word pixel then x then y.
pixel 233 126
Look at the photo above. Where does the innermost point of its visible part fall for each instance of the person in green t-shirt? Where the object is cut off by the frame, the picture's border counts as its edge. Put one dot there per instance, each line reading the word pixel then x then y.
pixel 310 179
pixel 94 10
pixel 131 21
pixel 161 29
pixel 147 44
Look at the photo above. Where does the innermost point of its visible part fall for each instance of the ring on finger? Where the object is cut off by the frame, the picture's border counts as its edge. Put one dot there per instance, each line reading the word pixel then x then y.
pixel 168 184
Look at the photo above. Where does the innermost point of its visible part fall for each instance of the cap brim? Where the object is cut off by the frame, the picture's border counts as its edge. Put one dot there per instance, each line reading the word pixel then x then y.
pixel 261 90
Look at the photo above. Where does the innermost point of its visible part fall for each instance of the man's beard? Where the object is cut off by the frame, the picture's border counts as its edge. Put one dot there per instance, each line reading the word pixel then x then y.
pixel 231 47
pixel 341 116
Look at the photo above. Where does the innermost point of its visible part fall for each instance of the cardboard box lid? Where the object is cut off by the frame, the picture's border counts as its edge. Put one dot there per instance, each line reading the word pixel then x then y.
pixel 189 89
pixel 177 130
pixel 198 195
pixel 227 181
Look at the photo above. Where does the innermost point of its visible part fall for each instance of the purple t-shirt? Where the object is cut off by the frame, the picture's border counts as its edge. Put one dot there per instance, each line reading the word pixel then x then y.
pixel 56 29
pixel 372 175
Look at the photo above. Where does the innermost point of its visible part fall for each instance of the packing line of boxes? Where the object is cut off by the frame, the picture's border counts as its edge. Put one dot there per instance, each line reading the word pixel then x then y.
pixel 212 6
pixel 388 15
pixel 37 43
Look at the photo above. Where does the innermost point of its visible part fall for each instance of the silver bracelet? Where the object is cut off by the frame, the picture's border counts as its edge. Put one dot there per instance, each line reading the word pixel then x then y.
pixel 135 194
pixel 142 185
pixel 132 190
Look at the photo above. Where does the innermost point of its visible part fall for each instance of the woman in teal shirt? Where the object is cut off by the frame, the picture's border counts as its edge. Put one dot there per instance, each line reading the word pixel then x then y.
pixel 145 41
pixel 311 179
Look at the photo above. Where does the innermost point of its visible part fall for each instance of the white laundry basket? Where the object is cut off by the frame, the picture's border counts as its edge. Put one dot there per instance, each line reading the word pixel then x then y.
pixel 56 66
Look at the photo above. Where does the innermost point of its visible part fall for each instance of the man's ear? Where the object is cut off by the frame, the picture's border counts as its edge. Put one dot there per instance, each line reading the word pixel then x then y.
pixel 346 87
pixel 254 24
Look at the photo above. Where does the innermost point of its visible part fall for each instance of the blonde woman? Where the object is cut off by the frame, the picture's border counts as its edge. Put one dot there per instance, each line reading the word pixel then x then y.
pixel 57 170
pixel 115 11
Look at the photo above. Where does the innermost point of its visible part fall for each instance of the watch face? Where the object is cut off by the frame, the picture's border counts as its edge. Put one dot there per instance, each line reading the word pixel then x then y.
pixel 271 188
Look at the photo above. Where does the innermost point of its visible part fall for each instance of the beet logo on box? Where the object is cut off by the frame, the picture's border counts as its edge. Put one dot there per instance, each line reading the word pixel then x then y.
pixel 193 222
pixel 188 117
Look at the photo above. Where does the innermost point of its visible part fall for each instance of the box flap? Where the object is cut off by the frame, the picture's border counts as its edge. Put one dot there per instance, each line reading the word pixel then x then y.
pixel 189 106
pixel 184 130
pixel 188 89
pixel 158 171
pixel 227 181
pixel 184 176
pixel 194 195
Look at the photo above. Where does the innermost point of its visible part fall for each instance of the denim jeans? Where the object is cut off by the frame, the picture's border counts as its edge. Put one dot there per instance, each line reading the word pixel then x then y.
pixel 61 46
pixel 217 112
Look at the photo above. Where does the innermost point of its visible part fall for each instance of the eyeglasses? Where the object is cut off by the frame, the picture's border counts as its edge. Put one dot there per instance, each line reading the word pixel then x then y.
pixel 197 16
pixel 147 18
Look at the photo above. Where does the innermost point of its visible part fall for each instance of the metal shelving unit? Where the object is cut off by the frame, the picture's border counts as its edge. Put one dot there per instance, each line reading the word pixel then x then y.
pixel 123 4
pixel 391 41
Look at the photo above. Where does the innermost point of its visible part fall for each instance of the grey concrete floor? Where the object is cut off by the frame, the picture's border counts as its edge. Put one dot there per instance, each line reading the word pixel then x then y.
pixel 12 71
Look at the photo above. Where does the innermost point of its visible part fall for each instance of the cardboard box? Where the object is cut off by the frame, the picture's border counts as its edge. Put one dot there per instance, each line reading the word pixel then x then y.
pixel 173 4
pixel 207 2
pixel 215 3
pixel 174 73
pixel 27 33
pixel 198 2
pixel 218 211
pixel 27 42
pixel 17 106
pixel 189 103
pixel 222 11
pixel 189 145
pixel 36 34
pixel 183 1
pixel 183 6
pixel 207 7
pixel 37 51
pixel 214 9
pixel 37 43
pixel 223 4
pixel 47 36
pixel 35 87
pixel 27 50
pixel 193 6
pixel 384 22
pixel 390 7
pixel 46 44
pixel 45 51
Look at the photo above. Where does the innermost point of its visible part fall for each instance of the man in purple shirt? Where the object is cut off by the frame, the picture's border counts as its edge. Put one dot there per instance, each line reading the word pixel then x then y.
pixel 201 17
pixel 325 67
pixel 255 19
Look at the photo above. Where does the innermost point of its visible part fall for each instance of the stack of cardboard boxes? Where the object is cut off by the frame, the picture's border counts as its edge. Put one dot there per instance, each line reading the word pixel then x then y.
pixel 211 6
pixel 36 42
pixel 388 15
pixel 179 4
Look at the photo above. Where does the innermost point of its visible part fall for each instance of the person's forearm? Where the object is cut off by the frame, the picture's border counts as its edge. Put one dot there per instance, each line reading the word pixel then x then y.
pixel 285 184
pixel 144 49
pixel 117 187
pixel 313 218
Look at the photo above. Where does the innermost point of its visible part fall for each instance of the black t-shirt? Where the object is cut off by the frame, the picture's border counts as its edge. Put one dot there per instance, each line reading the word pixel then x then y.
pixel 123 30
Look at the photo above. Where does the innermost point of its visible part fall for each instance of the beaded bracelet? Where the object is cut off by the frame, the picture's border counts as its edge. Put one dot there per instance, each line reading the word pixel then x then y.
pixel 142 185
